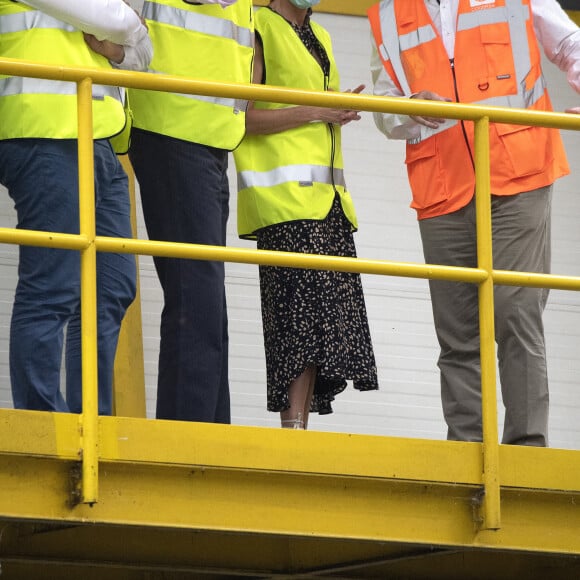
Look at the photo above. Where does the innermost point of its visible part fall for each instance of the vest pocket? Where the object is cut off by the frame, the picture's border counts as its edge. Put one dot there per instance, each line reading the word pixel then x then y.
pixel 497 67
pixel 425 174
pixel 525 150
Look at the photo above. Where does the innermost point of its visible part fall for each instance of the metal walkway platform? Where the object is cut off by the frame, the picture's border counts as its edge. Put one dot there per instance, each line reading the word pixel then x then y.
pixel 189 500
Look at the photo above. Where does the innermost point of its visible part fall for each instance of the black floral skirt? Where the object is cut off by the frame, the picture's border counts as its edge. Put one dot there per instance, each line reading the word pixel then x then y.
pixel 313 317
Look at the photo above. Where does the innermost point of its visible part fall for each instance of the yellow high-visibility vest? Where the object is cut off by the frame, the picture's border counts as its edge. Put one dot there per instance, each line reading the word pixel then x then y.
pixel 40 108
pixel 205 42
pixel 294 174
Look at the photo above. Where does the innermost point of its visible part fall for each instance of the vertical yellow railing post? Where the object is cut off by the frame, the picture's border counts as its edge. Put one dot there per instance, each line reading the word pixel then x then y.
pixel 491 506
pixel 90 413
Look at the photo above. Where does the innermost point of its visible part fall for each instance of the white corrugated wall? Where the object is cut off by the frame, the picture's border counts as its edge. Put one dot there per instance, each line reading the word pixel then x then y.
pixel 399 309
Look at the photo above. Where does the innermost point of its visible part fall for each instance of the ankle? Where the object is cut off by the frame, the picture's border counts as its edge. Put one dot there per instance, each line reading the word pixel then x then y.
pixel 297 423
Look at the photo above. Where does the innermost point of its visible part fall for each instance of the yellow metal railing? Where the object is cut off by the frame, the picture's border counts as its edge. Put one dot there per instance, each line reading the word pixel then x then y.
pixel 88 243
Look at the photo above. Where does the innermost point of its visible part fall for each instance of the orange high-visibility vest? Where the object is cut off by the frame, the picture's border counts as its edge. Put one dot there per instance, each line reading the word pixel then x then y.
pixel 497 62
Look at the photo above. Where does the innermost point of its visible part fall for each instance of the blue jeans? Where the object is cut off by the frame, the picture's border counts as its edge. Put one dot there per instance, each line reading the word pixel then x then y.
pixel 185 196
pixel 41 176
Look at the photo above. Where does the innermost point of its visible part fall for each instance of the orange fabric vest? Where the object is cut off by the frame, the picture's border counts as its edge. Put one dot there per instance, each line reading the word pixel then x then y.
pixel 497 62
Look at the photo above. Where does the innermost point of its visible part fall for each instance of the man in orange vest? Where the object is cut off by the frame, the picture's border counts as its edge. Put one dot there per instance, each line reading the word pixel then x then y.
pixel 484 52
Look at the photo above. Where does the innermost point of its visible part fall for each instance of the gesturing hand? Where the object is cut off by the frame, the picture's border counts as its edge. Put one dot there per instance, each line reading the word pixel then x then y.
pixel 341 116
pixel 431 122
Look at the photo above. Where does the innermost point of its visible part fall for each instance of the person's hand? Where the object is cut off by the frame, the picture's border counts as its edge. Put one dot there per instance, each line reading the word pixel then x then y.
pixel 431 122
pixel 340 116
pixel 111 51
pixel 356 90
pixel 573 110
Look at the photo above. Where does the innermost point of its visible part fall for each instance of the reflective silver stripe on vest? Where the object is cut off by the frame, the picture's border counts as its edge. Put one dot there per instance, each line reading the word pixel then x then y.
pixel 383 52
pixel 22 21
pixel 198 22
pixel 391 38
pixel 515 14
pixel 512 9
pixel 519 38
pixel 235 104
pixel 417 37
pixel 302 174
pixel 477 18
pixel 11 86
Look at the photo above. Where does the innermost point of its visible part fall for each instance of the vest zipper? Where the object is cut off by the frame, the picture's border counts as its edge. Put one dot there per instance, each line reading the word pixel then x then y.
pixel 452 63
pixel 332 140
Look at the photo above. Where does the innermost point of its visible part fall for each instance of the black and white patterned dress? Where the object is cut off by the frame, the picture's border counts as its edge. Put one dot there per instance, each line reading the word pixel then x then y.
pixel 313 317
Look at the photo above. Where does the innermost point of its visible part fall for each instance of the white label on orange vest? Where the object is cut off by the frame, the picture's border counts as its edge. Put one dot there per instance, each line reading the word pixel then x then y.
pixel 478 3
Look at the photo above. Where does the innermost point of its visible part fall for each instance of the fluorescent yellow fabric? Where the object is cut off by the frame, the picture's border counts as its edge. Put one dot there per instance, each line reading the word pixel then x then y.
pixel 203 42
pixel 38 108
pixel 294 174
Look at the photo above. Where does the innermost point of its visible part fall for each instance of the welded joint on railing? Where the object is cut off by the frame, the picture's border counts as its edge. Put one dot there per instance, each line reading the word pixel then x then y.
pixel 477 508
pixel 75 494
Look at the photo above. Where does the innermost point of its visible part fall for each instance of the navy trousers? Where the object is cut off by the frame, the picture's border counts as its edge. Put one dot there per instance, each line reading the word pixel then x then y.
pixel 185 197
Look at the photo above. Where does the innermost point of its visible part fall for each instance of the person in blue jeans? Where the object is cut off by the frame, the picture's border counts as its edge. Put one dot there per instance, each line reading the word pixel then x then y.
pixel 39 167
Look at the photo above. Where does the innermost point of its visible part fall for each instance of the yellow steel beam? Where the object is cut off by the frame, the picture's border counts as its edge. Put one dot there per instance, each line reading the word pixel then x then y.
pixel 360 7
pixel 231 447
pixel 289 504
pixel 357 8
pixel 273 481
pixel 129 373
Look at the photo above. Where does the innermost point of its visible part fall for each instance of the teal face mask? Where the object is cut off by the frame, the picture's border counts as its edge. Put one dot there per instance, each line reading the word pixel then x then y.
pixel 303 4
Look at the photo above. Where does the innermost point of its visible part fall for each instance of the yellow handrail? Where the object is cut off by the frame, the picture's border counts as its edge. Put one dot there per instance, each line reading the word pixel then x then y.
pixel 486 327
pixel 90 408
pixel 88 243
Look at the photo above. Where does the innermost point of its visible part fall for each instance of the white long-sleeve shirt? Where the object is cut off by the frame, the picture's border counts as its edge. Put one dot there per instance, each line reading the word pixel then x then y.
pixel 107 20
pixel 558 36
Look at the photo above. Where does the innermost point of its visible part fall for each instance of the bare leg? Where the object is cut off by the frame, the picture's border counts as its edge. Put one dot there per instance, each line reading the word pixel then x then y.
pixel 300 395
pixel 309 397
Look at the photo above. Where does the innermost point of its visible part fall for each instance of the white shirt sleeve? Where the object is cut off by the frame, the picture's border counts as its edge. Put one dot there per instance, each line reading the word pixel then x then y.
pixel 392 125
pixel 110 20
pixel 559 36
pixel 139 56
